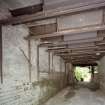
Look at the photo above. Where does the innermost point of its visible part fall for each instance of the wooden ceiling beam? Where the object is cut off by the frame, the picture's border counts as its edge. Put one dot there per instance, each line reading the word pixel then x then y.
pixel 80 53
pixel 74 45
pixel 73 49
pixel 89 63
pixel 70 31
pixel 70 47
pixel 82 62
pixel 52 13
pixel 73 42
pixel 100 43
pixel 96 48
pixel 86 41
pixel 27 10
pixel 82 59
pixel 95 41
pixel 74 52
pixel 80 56
pixel 84 65
pixel 88 60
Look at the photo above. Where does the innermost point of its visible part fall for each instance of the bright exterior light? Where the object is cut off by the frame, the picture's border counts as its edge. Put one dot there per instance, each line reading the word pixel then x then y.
pixel 97 53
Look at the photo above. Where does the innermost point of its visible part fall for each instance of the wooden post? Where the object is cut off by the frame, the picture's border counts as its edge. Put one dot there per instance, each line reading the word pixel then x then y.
pixel 29 55
pixel 61 73
pixel 92 72
pixel 1 71
pixel 57 29
pixel 52 63
pixel 49 61
pixel 38 62
pixel 65 69
pixel 66 75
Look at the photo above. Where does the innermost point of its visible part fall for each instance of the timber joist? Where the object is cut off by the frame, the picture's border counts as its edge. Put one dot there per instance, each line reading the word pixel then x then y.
pixel 70 32
pixel 54 13
pixel 76 34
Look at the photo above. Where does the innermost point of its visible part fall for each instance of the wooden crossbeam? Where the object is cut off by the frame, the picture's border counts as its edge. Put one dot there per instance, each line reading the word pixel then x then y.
pixel 80 53
pixel 86 55
pixel 84 64
pixel 79 57
pixel 73 49
pixel 96 48
pixel 70 31
pixel 27 10
pixel 100 43
pixel 80 60
pixel 53 13
pixel 72 46
pixel 75 44
pixel 89 63
pixel 92 40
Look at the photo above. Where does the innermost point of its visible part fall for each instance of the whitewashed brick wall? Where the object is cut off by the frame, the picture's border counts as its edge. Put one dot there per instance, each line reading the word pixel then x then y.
pixel 16 88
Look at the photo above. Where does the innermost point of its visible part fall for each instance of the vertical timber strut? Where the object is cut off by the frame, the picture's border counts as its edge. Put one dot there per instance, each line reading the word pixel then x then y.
pixel 49 61
pixel 1 71
pixel 38 62
pixel 29 54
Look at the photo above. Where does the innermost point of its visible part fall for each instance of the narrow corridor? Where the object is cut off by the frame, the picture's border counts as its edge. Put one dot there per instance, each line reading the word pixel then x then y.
pixel 52 52
pixel 82 96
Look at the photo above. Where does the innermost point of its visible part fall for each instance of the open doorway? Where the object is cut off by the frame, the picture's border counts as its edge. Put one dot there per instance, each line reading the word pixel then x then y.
pixel 83 74
pixel 87 77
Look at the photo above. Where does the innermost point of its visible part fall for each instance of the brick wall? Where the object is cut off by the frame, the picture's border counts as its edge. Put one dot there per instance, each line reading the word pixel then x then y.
pixel 17 88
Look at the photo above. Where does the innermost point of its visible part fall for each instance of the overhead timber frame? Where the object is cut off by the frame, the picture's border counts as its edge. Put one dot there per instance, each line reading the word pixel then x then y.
pixel 54 13
pixel 71 50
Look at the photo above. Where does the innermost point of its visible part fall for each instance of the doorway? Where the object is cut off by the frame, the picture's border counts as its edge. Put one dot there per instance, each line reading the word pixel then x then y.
pixel 83 74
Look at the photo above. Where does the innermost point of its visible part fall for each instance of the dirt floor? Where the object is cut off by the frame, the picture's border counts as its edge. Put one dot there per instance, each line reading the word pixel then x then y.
pixel 80 96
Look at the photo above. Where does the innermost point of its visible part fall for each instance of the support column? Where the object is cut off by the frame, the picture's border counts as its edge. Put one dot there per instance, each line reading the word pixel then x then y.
pixel 29 55
pixel 92 73
pixel 65 69
pixel 52 62
pixel 38 62
pixel 49 61
pixel 1 70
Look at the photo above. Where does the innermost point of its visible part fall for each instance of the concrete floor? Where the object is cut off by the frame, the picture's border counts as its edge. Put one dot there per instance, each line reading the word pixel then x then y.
pixel 81 96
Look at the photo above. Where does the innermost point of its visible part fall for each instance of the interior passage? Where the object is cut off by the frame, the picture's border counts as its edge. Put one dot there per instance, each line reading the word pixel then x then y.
pixel 82 96
pixel 52 52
